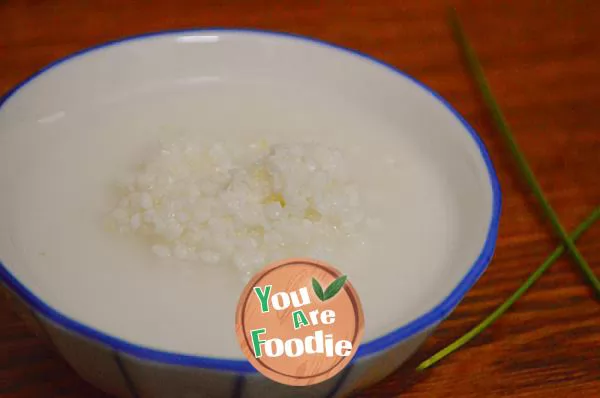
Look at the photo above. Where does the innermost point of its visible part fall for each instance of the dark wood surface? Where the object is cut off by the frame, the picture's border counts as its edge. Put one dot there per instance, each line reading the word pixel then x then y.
pixel 543 62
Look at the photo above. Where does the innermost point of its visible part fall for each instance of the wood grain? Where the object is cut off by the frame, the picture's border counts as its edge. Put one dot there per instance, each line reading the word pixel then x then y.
pixel 543 61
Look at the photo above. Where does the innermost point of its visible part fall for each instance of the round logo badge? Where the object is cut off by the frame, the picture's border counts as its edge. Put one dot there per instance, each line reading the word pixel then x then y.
pixel 299 322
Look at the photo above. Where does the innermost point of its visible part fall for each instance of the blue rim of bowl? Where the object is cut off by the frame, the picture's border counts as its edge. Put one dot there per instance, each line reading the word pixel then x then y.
pixel 423 322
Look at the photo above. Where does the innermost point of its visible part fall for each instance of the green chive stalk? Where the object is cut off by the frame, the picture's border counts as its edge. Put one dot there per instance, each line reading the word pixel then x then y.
pixel 502 125
pixel 587 223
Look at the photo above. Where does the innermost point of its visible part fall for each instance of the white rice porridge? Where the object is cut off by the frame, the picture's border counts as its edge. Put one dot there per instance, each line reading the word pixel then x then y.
pixel 169 213
pixel 242 205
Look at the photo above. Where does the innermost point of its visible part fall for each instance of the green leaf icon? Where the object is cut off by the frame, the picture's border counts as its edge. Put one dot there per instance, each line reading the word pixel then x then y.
pixel 318 289
pixel 335 287
pixel 331 290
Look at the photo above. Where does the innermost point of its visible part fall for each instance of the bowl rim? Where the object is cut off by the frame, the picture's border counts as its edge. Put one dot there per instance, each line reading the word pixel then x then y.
pixel 422 323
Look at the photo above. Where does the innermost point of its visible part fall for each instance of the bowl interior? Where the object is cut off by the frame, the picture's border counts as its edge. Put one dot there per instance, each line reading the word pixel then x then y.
pixel 69 130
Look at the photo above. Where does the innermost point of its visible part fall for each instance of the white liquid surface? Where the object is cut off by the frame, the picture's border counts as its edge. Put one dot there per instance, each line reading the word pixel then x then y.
pixel 117 285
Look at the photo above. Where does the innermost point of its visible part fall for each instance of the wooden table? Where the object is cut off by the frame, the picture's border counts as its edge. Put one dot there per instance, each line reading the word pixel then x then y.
pixel 542 60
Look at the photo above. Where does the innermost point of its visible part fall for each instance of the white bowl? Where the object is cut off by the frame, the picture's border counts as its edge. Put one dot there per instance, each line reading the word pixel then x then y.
pixel 127 72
